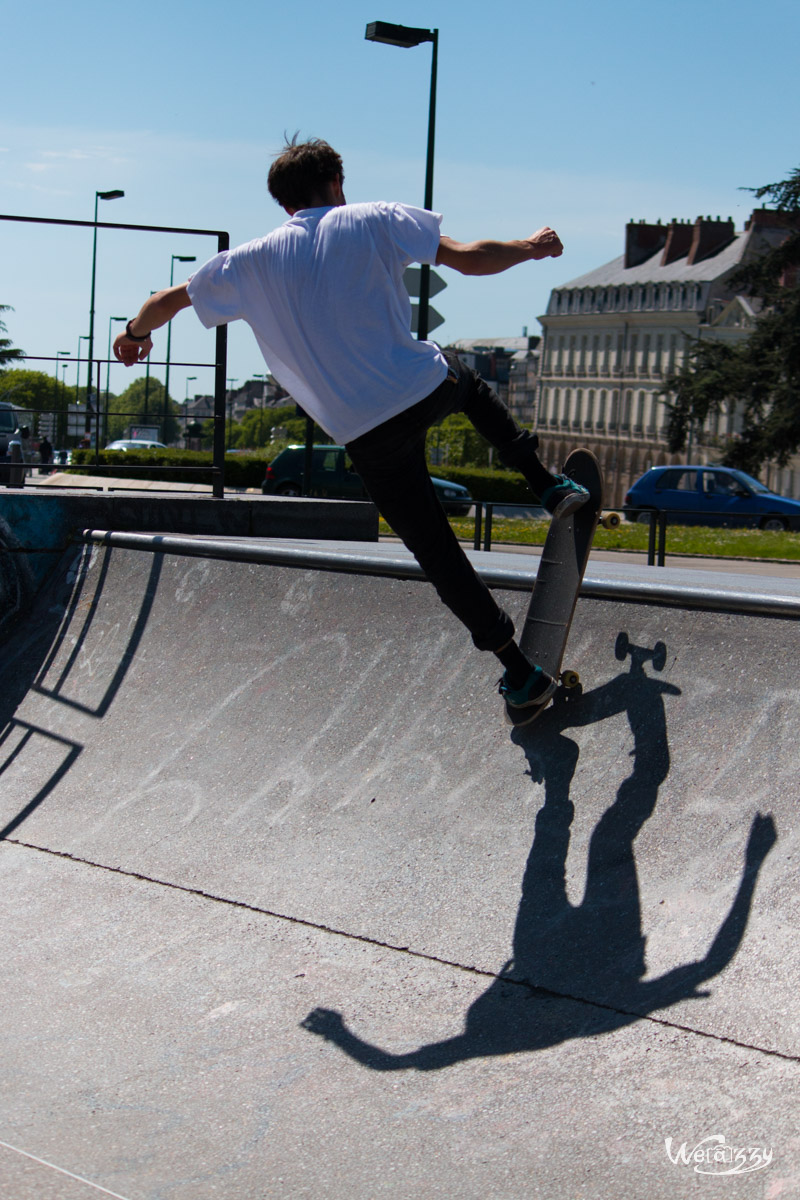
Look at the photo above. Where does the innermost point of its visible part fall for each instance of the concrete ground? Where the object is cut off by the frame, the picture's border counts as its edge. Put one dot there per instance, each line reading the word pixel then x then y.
pixel 288 911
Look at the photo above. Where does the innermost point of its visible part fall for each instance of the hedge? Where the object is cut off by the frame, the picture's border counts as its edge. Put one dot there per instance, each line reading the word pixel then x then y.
pixel 506 487
pixel 248 471
pixel 241 470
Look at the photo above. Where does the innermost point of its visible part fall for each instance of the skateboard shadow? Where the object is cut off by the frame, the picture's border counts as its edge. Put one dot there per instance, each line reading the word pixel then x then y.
pixel 577 970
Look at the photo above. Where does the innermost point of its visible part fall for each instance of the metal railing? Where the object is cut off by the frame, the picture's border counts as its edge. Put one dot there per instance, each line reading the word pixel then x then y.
pixel 658 520
pixel 221 344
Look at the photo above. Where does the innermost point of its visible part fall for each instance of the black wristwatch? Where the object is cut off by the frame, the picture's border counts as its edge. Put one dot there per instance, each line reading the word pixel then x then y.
pixel 134 337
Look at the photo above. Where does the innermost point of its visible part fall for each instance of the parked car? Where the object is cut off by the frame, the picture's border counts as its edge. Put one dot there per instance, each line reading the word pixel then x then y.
pixel 333 475
pixel 135 444
pixel 710 496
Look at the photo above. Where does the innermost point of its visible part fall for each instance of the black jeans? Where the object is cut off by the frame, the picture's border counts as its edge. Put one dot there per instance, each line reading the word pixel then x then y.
pixel 391 461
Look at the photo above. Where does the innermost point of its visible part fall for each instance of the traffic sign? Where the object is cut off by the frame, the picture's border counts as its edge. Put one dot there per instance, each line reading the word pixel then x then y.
pixel 435 319
pixel 411 280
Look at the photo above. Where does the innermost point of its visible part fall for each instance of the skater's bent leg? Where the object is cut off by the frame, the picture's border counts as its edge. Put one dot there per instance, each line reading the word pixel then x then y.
pixel 401 488
pixel 517 447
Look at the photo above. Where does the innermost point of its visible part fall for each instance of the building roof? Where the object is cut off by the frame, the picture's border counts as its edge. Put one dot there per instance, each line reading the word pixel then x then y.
pixel 616 274
pixel 486 345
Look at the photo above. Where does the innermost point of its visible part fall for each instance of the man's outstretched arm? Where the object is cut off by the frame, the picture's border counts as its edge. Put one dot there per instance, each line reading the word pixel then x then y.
pixel 156 311
pixel 490 258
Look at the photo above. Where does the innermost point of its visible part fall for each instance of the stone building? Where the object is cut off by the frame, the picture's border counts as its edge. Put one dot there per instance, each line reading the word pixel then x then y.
pixel 613 335
pixel 509 365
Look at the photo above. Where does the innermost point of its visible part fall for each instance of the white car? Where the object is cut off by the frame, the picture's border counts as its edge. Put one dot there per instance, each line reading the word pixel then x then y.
pixel 136 444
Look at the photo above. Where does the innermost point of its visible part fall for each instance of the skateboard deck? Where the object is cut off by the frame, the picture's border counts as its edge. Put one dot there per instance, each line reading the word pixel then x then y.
pixel 558 580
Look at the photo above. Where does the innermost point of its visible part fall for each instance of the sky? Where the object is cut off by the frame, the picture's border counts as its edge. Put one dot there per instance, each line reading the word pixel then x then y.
pixel 577 115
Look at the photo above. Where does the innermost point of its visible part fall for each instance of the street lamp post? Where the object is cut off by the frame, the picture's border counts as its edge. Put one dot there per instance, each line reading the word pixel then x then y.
pixel 263 379
pixel 189 379
pixel 83 338
pixel 184 258
pixel 59 355
pixel 231 382
pixel 406 36
pixel 111 320
pixel 98 196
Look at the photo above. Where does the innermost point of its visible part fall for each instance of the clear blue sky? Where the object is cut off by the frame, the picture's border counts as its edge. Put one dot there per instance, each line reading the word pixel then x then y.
pixel 579 115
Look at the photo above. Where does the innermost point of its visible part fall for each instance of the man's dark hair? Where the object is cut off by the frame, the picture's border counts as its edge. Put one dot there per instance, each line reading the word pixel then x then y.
pixel 302 171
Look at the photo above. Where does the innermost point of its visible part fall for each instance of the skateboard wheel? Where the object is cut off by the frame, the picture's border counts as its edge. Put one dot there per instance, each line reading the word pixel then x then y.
pixel 621 647
pixel 570 679
pixel 610 520
pixel 659 656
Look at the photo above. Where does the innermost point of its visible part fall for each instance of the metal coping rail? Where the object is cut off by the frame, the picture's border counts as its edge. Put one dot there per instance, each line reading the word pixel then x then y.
pixel 675 595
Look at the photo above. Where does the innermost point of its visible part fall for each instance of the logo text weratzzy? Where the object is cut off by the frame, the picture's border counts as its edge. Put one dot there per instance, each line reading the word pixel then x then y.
pixel 713 1155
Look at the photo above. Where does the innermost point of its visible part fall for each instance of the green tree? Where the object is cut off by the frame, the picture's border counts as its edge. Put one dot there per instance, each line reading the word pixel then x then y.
pixel 34 390
pixel 255 428
pixel 455 442
pixel 8 353
pixel 142 403
pixel 761 374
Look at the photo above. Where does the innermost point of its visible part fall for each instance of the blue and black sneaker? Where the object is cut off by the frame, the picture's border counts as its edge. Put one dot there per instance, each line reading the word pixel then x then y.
pixel 524 704
pixel 564 497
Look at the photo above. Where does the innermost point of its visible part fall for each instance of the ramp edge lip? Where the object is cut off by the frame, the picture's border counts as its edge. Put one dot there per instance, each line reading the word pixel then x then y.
pixel 642 591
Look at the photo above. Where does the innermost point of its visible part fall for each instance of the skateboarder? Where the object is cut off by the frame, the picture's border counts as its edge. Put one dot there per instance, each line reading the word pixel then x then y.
pixel 324 297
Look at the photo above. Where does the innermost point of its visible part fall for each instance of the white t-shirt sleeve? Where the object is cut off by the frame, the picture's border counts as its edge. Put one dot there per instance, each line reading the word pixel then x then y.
pixel 415 232
pixel 214 291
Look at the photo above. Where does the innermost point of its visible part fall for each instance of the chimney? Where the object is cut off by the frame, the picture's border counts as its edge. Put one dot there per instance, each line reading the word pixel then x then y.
pixel 642 241
pixel 770 218
pixel 679 239
pixel 708 237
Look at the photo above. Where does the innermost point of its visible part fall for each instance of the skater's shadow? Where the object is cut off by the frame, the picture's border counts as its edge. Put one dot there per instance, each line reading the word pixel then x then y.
pixel 578 969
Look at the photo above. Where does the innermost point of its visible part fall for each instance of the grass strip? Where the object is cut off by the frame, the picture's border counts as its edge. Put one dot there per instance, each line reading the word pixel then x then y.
pixel 681 539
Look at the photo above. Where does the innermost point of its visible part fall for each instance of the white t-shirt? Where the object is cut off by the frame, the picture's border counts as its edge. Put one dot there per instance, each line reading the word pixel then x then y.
pixel 324 296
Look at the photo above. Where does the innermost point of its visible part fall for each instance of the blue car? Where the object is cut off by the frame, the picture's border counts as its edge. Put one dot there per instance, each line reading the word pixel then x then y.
pixel 710 496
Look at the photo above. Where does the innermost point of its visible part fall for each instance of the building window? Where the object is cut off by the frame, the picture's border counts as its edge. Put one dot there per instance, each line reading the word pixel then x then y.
pixel 565 409
pixel 614 419
pixel 645 365
pixel 601 411
pixel 589 411
pixel 639 424
pixel 659 355
pixel 553 415
pixel 607 355
pixel 625 424
pixel 632 351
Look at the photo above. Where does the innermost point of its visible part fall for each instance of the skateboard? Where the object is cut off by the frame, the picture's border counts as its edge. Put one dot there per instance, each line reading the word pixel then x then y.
pixel 558 580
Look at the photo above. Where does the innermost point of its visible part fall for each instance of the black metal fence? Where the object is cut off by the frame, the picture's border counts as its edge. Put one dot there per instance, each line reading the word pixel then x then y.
pixel 221 345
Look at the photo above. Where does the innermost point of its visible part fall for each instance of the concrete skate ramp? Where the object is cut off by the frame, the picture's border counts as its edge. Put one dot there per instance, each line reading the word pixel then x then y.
pixel 328 751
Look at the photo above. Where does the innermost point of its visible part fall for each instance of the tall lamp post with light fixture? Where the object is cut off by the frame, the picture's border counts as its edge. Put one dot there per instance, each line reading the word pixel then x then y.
pixel 189 379
pixel 263 379
pixel 98 196
pixel 111 321
pixel 407 36
pixel 183 258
